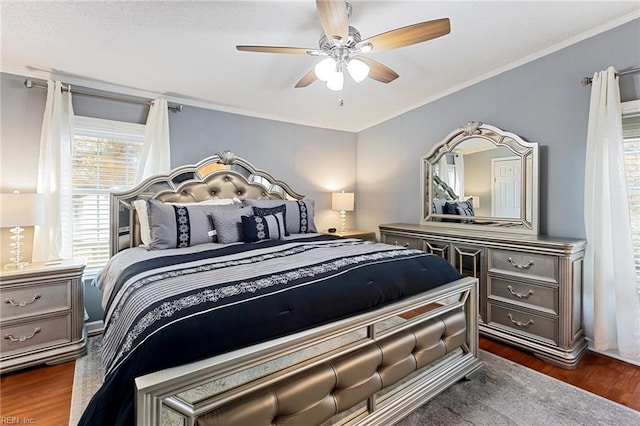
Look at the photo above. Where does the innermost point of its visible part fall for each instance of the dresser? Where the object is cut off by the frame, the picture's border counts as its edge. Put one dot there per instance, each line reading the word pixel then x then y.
pixel 41 315
pixel 530 285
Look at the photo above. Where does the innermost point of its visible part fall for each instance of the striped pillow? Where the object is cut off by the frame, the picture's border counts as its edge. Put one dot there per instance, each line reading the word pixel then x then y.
pixel 270 227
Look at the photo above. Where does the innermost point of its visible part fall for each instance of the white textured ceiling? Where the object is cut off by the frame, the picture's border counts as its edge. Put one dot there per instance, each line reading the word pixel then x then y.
pixel 185 50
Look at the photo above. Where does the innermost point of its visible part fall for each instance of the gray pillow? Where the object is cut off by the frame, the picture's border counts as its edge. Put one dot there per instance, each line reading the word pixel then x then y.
pixel 438 205
pixel 176 226
pixel 299 214
pixel 228 224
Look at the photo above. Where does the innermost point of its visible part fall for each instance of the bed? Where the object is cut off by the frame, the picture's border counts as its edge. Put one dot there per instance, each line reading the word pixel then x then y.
pixel 223 305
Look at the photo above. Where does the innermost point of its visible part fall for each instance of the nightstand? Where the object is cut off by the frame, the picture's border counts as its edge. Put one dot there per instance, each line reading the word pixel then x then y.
pixel 354 233
pixel 41 315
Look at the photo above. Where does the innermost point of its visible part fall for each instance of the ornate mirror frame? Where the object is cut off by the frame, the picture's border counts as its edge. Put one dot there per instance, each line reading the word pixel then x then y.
pixel 524 155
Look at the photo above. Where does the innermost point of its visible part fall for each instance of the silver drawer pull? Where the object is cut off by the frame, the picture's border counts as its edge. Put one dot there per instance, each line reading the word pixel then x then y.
pixel 22 338
pixel 519 266
pixel 23 302
pixel 520 295
pixel 520 323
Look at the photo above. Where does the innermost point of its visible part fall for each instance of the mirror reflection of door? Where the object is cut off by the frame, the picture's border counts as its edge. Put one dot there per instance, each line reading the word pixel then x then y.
pixel 506 188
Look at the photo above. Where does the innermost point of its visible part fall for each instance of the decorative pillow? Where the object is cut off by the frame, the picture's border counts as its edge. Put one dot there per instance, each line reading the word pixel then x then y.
pixel 176 226
pixel 143 220
pixel 461 208
pixel 211 202
pixel 437 205
pixel 298 217
pixel 228 224
pixel 265 211
pixel 143 215
pixel 269 227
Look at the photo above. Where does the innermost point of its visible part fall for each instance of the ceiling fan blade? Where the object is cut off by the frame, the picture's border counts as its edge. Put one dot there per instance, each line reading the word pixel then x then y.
pixel 377 71
pixel 406 36
pixel 275 49
pixel 333 17
pixel 308 78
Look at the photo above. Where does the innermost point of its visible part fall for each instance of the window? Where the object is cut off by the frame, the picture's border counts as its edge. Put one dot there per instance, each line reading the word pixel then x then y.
pixel 105 159
pixel 631 143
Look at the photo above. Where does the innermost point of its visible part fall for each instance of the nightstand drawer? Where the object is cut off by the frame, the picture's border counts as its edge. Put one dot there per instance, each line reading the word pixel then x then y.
pixel 408 242
pixel 539 297
pixel 514 263
pixel 524 322
pixel 35 299
pixel 40 332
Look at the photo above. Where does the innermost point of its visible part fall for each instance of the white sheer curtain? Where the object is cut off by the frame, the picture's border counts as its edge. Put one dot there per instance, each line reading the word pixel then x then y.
pixel 156 157
pixel 458 161
pixel 611 303
pixel 53 239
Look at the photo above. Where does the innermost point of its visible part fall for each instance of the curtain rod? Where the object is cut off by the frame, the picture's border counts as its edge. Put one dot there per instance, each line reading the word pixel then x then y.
pixel 30 84
pixel 587 80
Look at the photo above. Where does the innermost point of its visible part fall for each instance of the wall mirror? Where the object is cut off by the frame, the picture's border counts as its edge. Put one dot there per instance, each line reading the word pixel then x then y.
pixel 482 177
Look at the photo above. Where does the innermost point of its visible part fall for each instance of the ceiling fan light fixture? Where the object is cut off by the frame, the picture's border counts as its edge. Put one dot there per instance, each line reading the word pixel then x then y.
pixel 325 69
pixel 336 81
pixel 366 47
pixel 358 70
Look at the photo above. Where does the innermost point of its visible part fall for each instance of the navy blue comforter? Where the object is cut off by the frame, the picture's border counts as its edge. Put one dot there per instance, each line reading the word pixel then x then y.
pixel 177 309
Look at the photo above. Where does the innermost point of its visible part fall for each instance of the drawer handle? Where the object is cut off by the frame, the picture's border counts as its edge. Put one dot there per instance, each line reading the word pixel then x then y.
pixel 23 302
pixel 519 266
pixel 520 295
pixel 22 338
pixel 520 323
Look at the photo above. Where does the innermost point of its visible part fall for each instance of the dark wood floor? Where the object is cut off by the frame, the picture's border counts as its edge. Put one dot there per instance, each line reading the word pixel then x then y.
pixel 42 395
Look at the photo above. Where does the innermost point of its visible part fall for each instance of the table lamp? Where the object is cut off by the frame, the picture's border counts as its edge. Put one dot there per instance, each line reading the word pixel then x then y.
pixel 342 201
pixel 18 210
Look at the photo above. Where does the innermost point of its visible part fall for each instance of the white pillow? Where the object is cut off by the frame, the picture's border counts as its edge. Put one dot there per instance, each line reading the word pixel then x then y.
pixel 211 202
pixel 143 213
pixel 143 220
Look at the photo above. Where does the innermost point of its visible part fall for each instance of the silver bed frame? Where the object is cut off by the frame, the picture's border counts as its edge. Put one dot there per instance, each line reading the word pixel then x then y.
pixel 185 394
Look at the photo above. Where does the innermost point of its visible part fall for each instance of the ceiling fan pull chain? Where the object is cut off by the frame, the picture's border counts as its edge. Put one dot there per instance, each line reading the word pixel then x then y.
pixel 340 99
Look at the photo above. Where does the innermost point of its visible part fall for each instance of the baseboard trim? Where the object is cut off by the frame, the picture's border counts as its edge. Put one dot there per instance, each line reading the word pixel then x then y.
pixel 612 353
pixel 94 328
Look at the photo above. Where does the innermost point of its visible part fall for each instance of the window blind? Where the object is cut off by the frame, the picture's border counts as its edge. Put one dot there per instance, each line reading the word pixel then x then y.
pixel 105 159
pixel 631 143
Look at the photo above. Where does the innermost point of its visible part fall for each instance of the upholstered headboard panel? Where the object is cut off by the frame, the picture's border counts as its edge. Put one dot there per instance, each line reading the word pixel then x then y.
pixel 224 175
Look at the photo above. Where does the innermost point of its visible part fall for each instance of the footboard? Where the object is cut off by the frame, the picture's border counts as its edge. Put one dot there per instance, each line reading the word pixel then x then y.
pixel 374 368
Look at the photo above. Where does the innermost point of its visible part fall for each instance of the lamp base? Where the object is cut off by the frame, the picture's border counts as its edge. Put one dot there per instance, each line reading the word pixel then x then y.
pixel 16 265
pixel 343 222
pixel 16 249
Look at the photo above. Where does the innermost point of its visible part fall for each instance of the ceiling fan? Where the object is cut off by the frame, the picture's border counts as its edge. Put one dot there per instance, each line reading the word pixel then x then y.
pixel 343 46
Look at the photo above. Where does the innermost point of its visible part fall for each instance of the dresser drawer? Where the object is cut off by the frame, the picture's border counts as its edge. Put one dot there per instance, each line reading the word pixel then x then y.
pixel 523 322
pixel 409 242
pixel 34 334
pixel 520 264
pixel 535 296
pixel 35 299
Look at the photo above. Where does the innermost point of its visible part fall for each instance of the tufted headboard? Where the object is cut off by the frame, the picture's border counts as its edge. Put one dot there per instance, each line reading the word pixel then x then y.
pixel 224 175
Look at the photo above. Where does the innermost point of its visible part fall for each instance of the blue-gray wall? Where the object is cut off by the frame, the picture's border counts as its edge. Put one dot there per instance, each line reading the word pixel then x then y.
pixel 542 101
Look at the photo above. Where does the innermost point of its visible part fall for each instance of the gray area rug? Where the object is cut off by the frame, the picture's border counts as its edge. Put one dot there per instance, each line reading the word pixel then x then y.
pixel 503 393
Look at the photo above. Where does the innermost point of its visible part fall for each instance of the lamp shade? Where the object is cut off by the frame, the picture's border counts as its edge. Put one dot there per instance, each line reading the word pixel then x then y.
pixel 336 81
pixel 21 210
pixel 325 69
pixel 342 201
pixel 358 70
